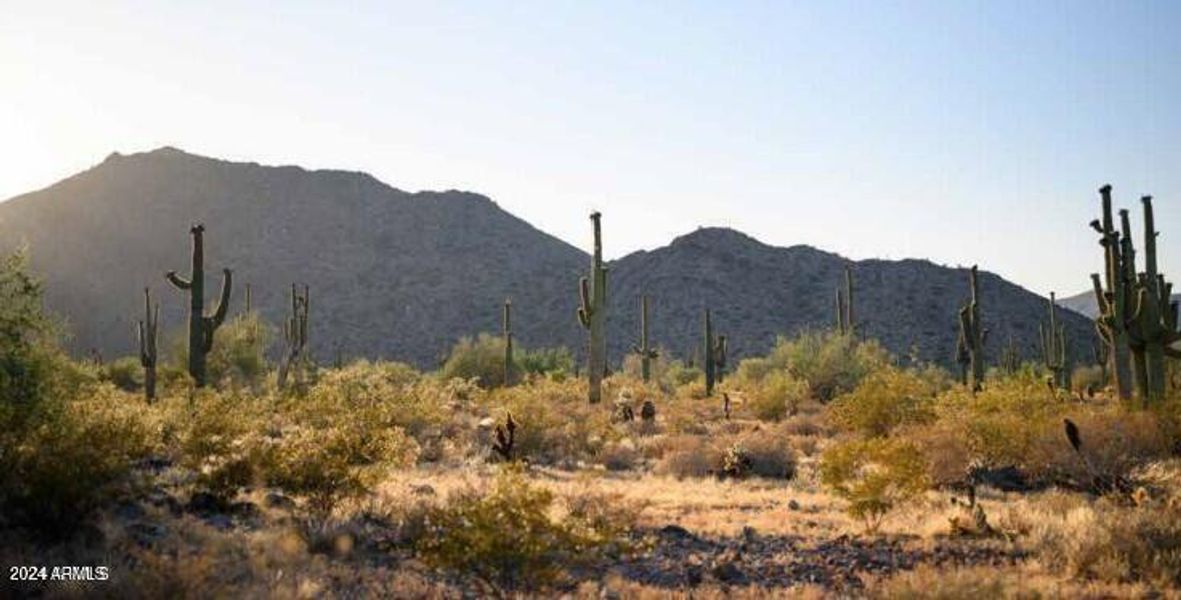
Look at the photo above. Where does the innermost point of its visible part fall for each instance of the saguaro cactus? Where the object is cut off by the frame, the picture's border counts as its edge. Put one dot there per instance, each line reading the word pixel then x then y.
pixel 148 330
pixel 1153 324
pixel 707 349
pixel 646 353
pixel 1137 321
pixel 507 331
pixel 295 333
pixel 844 305
pixel 1113 300
pixel 714 359
pixel 592 314
pixel 1055 353
pixel 973 334
pixel 201 327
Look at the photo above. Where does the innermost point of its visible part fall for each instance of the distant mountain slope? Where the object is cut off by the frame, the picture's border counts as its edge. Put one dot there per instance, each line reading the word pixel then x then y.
pixel 1085 304
pixel 756 292
pixel 391 272
pixel 403 275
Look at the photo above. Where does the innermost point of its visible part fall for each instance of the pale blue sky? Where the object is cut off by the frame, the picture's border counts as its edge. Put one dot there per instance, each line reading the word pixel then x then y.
pixel 959 132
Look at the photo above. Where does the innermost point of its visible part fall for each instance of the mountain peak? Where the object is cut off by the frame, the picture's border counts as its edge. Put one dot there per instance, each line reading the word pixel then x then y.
pixel 716 236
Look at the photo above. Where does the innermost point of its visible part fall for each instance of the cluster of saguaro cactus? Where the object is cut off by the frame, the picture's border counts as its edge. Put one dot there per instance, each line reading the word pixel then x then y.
pixel 713 355
pixel 972 336
pixel 201 326
pixel 295 333
pixel 1137 321
pixel 844 305
pixel 507 331
pixel 1055 353
pixel 148 329
pixel 646 353
pixel 592 314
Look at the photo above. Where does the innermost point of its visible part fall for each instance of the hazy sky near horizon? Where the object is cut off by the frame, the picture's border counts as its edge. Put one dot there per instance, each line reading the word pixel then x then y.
pixel 962 132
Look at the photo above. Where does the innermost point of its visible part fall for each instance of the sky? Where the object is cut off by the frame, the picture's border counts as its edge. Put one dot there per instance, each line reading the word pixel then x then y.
pixel 960 132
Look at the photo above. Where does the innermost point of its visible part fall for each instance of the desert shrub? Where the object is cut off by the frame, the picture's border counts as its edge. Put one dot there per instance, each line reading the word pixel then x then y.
pixel 222 443
pixel 392 393
pixel 884 400
pixel 775 395
pixel 328 465
pixel 1112 543
pixel 549 362
pixel 125 373
pixel 555 423
pixel 508 538
pixel 72 460
pixel 689 456
pixel 874 475
pixel 1114 442
pixel 620 456
pixel 1087 378
pixel 481 359
pixel 770 454
pixel 831 363
pixel 675 374
pixel 753 370
pixel 28 355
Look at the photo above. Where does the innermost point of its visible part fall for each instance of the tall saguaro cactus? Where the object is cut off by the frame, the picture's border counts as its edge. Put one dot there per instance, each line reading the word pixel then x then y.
pixel 1137 321
pixel 148 330
pixel 201 326
pixel 714 359
pixel 1055 353
pixel 1113 300
pixel 644 350
pixel 592 314
pixel 844 305
pixel 295 333
pixel 1153 325
pixel 973 334
pixel 507 331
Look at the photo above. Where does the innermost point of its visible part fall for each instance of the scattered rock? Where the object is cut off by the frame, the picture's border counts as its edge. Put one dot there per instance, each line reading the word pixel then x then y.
pixel 422 490
pixel 279 501
pixel 219 521
pixel 694 575
pixel 793 505
pixel 676 532
pixel 129 511
pixel 204 503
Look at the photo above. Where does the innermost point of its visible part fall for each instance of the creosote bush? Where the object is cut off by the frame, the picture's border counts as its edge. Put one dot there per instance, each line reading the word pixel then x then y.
pixel 885 400
pixel 481 359
pixel 509 536
pixel 874 476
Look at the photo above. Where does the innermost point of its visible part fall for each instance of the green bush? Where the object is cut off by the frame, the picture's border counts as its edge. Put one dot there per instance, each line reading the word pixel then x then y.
pixel 874 476
pixel 507 537
pixel 28 356
pixel 481 359
pixel 884 400
pixel 125 373
pixel 775 395
pixel 831 363
pixel 69 461
pixel 548 362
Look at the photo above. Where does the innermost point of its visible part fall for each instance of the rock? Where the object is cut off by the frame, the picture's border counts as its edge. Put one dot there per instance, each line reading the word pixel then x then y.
pixel 694 575
pixel 728 571
pixel 129 511
pixel 793 505
pixel 422 490
pixel 487 423
pixel 1005 479
pixel 220 521
pixel 279 501
pixel 676 532
pixel 245 510
pixel 146 535
pixel 204 503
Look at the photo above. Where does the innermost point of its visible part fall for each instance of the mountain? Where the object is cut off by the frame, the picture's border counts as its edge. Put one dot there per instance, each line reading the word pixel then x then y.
pixel 1085 304
pixel 403 275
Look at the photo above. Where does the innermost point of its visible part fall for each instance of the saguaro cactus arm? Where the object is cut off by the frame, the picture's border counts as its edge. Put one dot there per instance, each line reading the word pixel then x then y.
pixel 180 282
